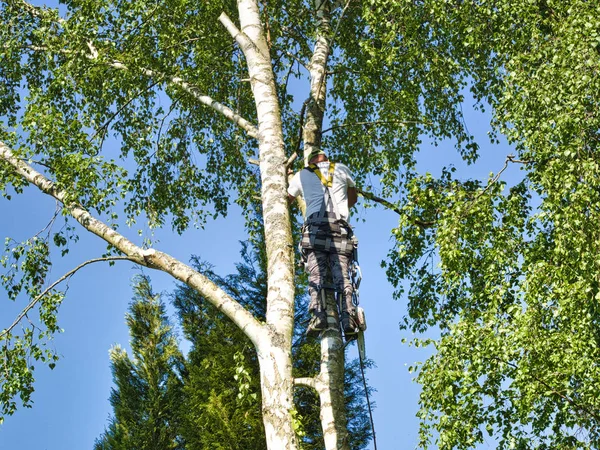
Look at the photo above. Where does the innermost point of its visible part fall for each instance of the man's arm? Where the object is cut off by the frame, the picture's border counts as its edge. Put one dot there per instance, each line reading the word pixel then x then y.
pixel 352 197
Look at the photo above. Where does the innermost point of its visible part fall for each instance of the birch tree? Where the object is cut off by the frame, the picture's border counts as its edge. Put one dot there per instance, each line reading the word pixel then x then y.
pixel 127 113
pixel 191 91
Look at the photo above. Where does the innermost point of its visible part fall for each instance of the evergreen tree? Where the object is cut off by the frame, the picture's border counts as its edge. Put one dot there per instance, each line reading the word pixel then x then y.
pixel 148 386
pixel 222 388
pixel 212 400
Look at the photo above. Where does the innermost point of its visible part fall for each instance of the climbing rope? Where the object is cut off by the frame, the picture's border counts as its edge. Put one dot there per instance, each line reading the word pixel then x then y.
pixel 362 371
pixel 356 278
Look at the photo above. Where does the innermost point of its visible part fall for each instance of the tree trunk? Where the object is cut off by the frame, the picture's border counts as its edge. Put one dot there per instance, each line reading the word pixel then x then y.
pixel 311 134
pixel 275 348
pixel 277 396
pixel 330 384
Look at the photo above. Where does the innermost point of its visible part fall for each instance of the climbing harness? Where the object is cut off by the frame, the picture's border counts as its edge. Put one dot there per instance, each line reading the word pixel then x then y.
pixel 326 231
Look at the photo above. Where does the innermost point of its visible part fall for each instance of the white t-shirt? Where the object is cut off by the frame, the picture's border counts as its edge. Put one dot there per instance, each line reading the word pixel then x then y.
pixel 308 185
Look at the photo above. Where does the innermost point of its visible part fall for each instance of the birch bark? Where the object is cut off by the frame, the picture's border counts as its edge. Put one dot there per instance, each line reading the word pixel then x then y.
pixel 318 81
pixel 330 382
pixel 149 258
pixel 274 350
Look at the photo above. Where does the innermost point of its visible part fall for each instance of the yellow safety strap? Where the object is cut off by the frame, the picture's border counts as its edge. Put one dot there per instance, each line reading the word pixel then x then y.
pixel 326 182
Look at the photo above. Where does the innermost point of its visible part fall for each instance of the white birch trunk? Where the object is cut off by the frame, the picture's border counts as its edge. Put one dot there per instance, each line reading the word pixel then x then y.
pixel 274 350
pixel 330 383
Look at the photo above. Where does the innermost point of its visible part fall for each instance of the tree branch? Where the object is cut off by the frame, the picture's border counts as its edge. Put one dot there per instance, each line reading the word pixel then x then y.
pixel 195 92
pixel 295 58
pixel 149 257
pixel 242 39
pixel 309 382
pixel 375 122
pixel 231 115
pixel 509 159
pixel 33 302
pixel 370 196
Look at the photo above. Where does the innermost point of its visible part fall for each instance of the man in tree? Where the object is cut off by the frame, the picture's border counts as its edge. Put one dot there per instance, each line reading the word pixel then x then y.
pixel 327 239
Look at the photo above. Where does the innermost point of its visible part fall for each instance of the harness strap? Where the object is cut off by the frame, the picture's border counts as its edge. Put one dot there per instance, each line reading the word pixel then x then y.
pixel 326 230
pixel 327 182
pixel 328 200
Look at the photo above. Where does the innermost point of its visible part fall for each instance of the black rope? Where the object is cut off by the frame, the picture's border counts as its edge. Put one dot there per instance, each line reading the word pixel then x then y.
pixel 362 371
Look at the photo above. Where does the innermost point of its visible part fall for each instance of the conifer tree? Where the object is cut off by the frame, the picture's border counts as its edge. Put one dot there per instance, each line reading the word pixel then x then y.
pixel 212 400
pixel 148 385
pixel 222 391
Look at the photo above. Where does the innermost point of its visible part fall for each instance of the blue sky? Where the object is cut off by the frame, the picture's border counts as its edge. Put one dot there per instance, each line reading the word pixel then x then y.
pixel 71 405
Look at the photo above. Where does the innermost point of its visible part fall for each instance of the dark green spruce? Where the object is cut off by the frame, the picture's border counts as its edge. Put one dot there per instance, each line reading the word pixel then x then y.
pixel 212 399
pixel 148 385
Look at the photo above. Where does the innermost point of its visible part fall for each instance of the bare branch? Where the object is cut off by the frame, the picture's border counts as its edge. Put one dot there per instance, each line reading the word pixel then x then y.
pixel 309 382
pixel 370 196
pixel 149 258
pixel 295 58
pixel 382 201
pixel 375 122
pixel 67 275
pixel 509 159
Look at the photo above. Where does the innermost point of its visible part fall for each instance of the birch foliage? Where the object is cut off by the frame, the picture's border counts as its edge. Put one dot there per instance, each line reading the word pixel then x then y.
pixel 145 112
pixel 508 271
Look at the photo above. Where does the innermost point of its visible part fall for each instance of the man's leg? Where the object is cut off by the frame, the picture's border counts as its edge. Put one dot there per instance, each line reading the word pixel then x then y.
pixel 316 266
pixel 341 278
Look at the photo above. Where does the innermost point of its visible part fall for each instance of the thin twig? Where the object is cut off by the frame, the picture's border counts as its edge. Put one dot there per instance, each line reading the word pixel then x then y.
pixel 103 128
pixel 49 288
pixel 370 196
pixel 509 159
pixel 375 122
pixel 298 60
